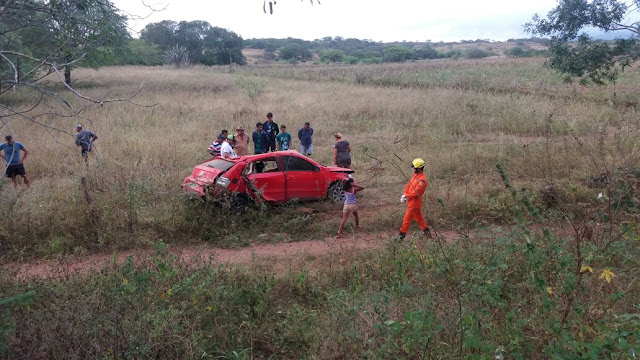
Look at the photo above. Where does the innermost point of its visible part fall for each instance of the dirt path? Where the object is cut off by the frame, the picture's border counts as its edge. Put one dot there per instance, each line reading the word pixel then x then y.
pixel 276 257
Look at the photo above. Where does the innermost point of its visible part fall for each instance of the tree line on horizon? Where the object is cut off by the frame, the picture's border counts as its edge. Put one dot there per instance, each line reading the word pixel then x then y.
pixel 207 45
pixel 350 50
pixel 94 33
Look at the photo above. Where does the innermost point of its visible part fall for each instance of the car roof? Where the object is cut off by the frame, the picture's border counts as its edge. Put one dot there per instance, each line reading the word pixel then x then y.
pixel 268 155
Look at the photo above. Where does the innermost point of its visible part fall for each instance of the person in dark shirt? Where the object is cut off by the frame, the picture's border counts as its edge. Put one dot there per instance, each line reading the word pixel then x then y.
pixel 85 139
pixel 272 131
pixel 306 144
pixel 260 140
pixel 341 152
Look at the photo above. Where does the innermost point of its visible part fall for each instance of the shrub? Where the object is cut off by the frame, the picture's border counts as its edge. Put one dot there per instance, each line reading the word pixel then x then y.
pixel 477 53
pixel 252 87
pixel 332 55
pixel 351 60
pixel 373 60
pixel 177 56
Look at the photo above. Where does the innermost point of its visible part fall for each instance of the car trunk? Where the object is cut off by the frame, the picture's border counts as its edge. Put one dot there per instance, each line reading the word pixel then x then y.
pixel 205 175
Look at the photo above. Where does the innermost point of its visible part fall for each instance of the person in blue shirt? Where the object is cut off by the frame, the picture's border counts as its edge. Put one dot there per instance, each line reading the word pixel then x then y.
pixel 260 140
pixel 305 134
pixel 12 159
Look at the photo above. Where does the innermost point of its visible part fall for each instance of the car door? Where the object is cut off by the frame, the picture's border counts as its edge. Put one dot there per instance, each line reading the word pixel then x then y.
pixel 266 177
pixel 304 180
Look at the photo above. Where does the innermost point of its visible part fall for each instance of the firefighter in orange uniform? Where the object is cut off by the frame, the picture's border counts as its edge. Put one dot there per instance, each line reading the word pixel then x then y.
pixel 413 193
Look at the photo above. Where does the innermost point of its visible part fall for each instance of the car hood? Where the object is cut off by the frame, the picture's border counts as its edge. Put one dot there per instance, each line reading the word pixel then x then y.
pixel 339 169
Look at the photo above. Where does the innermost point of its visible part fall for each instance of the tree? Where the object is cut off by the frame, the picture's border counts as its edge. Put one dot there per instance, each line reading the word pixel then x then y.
pixel 139 52
pixel 332 55
pixel 63 30
pixel 295 51
pixel 43 38
pixel 426 52
pixel 222 47
pixel 575 53
pixel 205 44
pixel 161 33
pixel 476 53
pixel 177 56
pixel 515 51
pixel 397 53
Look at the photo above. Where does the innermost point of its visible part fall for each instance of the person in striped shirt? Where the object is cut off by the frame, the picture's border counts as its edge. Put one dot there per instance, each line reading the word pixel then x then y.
pixel 214 148
pixel 350 190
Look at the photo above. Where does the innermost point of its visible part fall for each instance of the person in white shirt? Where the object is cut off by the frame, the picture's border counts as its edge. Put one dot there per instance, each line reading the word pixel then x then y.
pixel 226 151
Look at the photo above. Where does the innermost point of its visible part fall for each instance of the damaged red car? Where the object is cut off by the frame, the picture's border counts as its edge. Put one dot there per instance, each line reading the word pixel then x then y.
pixel 274 177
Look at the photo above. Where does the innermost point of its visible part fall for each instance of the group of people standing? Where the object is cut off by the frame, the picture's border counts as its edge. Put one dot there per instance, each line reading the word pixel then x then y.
pixel 268 136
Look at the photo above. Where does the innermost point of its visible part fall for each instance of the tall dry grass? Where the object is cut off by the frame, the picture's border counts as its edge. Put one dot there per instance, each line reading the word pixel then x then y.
pixel 143 153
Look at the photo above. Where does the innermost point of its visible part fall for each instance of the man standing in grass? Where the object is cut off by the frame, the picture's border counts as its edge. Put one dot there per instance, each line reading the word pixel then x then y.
pixel 272 131
pixel 85 139
pixel 283 139
pixel 260 140
pixel 14 167
pixel 305 134
pixel 242 141
pixel 413 193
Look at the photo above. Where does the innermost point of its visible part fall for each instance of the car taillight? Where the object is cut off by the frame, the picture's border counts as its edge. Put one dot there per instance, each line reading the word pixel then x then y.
pixel 223 181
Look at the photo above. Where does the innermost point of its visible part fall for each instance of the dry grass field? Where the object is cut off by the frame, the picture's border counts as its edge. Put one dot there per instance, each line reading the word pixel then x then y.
pixel 538 177
pixel 463 117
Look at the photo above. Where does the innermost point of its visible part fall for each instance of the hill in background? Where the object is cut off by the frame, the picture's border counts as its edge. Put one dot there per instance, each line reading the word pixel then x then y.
pixel 352 51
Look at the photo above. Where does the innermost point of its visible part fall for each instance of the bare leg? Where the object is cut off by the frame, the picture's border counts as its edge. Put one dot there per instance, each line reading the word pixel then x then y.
pixel 26 181
pixel 355 215
pixel 345 216
pixel 14 180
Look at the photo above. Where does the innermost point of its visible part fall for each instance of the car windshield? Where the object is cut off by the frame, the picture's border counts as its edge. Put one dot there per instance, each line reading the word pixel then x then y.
pixel 222 165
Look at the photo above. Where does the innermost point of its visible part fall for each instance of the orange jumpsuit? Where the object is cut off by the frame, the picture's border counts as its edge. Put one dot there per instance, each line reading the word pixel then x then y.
pixel 414 191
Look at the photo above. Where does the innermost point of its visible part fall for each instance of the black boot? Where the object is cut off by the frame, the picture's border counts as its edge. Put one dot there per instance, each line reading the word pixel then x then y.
pixel 401 236
pixel 427 233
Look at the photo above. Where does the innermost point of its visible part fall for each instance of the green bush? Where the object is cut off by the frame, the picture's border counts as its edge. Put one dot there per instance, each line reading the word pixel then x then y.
pixel 477 53
pixel 520 292
pixel 351 60
pixel 332 55
pixel 373 60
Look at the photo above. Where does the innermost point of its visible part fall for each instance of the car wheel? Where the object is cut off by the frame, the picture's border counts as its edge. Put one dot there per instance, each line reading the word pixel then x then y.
pixel 238 205
pixel 336 192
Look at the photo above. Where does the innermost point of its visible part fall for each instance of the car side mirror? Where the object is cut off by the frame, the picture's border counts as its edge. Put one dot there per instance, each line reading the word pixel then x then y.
pixel 316 168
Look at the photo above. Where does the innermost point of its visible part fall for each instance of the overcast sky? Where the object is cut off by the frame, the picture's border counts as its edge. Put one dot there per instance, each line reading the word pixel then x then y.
pixel 411 20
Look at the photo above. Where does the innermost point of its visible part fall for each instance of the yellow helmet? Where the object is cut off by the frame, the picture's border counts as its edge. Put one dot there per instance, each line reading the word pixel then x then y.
pixel 418 163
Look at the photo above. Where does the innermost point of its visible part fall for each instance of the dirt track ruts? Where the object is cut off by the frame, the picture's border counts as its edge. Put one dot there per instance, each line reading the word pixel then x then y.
pixel 277 257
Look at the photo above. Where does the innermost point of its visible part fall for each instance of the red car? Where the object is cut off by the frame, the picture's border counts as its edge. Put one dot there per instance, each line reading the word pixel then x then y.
pixel 274 177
